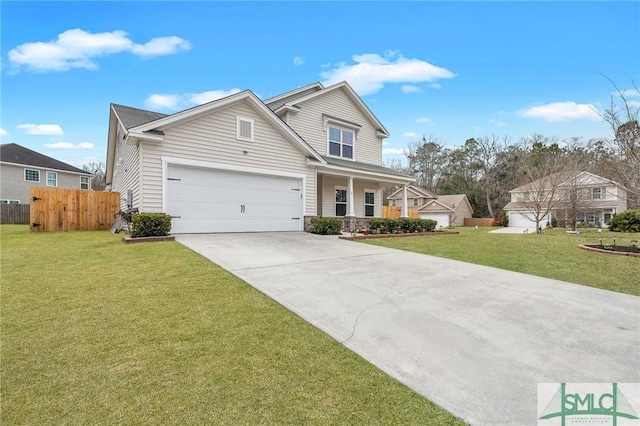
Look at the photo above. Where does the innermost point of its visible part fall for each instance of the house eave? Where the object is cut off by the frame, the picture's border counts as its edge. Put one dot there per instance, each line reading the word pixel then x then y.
pixel 362 173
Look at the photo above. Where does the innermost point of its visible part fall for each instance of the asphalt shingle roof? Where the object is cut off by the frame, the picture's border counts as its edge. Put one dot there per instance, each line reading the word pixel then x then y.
pixel 132 117
pixel 14 153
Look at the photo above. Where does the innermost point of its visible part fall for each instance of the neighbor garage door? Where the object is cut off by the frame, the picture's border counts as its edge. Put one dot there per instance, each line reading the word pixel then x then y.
pixel 519 220
pixel 441 218
pixel 205 200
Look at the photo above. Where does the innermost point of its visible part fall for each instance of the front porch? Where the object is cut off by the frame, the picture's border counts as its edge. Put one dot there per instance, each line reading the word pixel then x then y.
pixel 355 196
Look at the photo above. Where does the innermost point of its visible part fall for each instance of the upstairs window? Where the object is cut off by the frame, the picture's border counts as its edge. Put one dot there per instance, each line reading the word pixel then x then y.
pixel 596 193
pixel 52 179
pixel 341 143
pixel 32 175
pixel 245 129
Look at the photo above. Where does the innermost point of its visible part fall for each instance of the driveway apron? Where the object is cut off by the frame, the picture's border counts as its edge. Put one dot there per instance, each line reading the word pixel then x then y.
pixel 475 340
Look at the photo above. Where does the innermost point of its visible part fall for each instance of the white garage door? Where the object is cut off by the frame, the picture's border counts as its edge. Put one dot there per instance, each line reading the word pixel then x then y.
pixel 520 220
pixel 205 200
pixel 441 218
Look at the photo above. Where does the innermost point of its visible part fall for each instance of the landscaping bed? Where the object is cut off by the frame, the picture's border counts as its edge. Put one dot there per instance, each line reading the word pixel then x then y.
pixel 619 250
pixel 406 234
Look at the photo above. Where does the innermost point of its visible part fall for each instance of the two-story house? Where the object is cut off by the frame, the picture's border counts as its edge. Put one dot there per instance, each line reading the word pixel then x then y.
pixel 22 168
pixel 240 164
pixel 589 199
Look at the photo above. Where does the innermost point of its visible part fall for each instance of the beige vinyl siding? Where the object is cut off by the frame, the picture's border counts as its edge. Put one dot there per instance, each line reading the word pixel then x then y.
pixel 212 138
pixel 308 123
pixel 126 171
pixel 328 196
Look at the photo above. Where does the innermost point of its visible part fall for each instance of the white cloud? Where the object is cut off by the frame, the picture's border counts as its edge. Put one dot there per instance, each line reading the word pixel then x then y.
pixel 160 46
pixel 561 111
pixel 211 95
pixel 41 129
pixel 393 151
pixel 3 132
pixel 77 48
pixel 371 72
pixel 435 86
pixel 161 101
pixel 498 123
pixel 69 145
pixel 411 135
pixel 424 120
pixel 298 60
pixel 408 88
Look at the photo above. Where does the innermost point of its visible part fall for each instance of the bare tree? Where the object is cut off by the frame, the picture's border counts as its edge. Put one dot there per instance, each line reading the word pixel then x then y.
pixel 397 165
pixel 544 170
pixel 97 169
pixel 623 117
pixel 488 151
pixel 426 159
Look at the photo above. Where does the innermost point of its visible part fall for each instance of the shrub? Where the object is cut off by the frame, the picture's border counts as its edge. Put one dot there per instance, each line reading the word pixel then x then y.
pixel 401 225
pixel 627 221
pixel 150 225
pixel 326 225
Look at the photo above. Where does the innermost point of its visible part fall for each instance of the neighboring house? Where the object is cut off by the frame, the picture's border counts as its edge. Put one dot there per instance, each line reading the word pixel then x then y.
pixel 446 210
pixel 239 164
pixel 22 168
pixel 592 199
pixel 416 197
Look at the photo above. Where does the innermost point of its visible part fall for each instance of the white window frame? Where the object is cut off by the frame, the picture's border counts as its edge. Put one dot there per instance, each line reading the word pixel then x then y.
pixel 31 170
pixel 342 144
pixel 373 206
pixel 346 201
pixel 415 202
pixel 393 203
pixel 600 193
pixel 251 121
pixel 88 182
pixel 55 177
pixel 9 201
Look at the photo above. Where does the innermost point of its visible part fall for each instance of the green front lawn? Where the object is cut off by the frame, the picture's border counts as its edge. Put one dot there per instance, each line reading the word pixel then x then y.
pixel 98 332
pixel 554 254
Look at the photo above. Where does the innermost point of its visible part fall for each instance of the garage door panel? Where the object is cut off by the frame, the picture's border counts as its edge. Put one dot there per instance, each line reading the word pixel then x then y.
pixel 208 200
pixel 441 219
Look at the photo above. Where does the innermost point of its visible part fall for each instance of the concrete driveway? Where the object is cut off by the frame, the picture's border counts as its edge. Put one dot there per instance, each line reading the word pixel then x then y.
pixel 474 340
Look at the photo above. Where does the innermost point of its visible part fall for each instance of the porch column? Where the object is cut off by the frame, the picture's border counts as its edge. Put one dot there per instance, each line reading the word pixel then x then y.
pixel 350 204
pixel 405 209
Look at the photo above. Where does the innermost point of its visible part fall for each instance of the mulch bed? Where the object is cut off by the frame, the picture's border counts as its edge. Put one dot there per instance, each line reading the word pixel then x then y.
pixel 621 250
pixel 130 240
pixel 408 234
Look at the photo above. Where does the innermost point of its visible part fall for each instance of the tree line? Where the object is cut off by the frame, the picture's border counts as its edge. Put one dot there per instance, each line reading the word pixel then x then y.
pixel 487 168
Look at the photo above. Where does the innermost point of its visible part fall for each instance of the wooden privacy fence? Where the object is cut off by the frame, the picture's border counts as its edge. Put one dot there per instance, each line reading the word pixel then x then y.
pixel 17 214
pixel 395 212
pixel 479 221
pixel 54 209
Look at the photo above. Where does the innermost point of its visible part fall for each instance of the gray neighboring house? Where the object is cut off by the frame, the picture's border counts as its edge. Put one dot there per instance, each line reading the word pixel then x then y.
pixel 22 168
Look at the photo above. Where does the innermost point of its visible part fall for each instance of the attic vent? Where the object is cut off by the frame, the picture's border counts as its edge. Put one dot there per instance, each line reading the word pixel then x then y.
pixel 244 129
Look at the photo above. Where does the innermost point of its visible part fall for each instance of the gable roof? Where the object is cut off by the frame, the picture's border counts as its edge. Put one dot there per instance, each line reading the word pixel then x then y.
pixel 132 117
pixel 564 179
pixel 446 203
pixel 17 154
pixel 296 100
pixel 276 102
pixel 417 191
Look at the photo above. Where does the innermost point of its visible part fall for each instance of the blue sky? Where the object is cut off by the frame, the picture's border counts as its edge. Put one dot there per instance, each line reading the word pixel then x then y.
pixel 454 70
